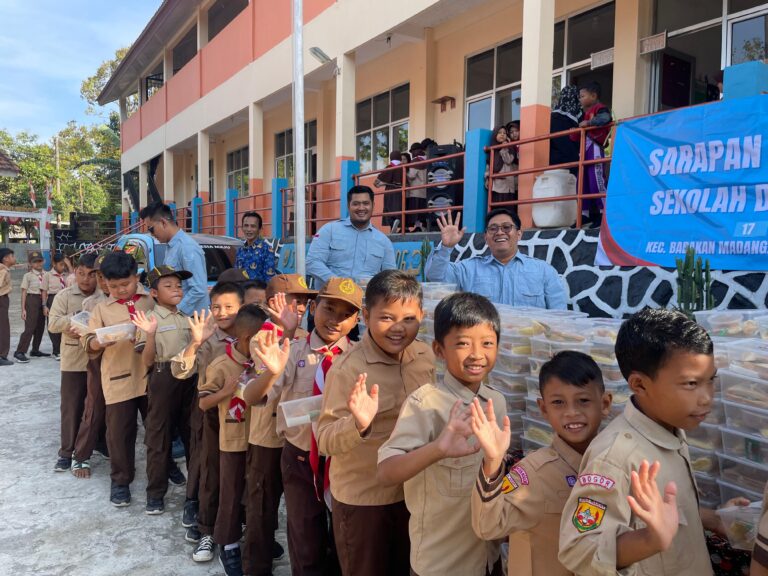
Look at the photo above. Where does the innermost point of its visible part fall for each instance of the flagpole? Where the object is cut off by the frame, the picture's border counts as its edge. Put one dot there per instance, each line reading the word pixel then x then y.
pixel 298 137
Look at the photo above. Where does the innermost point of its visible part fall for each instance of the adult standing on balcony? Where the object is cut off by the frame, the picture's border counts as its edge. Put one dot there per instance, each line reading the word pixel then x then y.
pixel 505 276
pixel 183 253
pixel 256 256
pixel 351 247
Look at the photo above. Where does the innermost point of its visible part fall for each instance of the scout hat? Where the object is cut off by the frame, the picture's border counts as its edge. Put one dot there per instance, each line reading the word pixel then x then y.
pixel 236 275
pixel 289 284
pixel 343 289
pixel 34 256
pixel 165 270
pixel 100 259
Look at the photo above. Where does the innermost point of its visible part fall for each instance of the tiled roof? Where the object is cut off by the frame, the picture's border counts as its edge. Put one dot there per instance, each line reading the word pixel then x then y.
pixel 7 166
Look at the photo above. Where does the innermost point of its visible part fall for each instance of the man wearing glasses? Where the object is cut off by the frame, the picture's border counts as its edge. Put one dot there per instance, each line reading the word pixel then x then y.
pixel 504 276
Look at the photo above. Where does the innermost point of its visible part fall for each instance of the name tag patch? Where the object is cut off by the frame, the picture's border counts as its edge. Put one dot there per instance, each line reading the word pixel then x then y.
pixel 589 514
pixel 165 329
pixel 596 480
pixel 522 474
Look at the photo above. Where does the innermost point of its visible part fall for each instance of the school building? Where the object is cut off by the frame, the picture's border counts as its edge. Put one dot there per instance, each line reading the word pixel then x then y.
pixel 205 91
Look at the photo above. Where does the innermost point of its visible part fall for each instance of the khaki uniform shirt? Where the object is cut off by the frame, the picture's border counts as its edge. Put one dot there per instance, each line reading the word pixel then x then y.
pixel 32 282
pixel 209 350
pixel 172 335
pixel 297 381
pixel 90 303
pixel 355 457
pixel 438 497
pixel 123 374
pixel 597 511
pixel 525 502
pixel 233 435
pixel 760 552
pixel 53 282
pixel 5 280
pixel 66 304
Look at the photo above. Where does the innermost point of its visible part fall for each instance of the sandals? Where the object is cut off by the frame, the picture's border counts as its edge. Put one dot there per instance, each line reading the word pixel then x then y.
pixel 81 469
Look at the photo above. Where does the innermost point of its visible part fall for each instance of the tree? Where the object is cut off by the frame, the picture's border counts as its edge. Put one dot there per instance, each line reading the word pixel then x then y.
pixel 92 86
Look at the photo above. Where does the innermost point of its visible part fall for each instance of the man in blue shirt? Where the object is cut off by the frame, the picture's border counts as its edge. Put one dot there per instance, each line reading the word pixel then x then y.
pixel 504 276
pixel 256 256
pixel 183 253
pixel 351 247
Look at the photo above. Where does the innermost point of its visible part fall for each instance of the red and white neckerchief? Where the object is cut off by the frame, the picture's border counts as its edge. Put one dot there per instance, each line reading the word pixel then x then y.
pixel 237 405
pixel 40 277
pixel 62 279
pixel 130 303
pixel 321 465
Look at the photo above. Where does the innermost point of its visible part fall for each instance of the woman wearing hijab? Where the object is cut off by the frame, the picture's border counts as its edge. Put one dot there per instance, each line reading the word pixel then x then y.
pixel 565 116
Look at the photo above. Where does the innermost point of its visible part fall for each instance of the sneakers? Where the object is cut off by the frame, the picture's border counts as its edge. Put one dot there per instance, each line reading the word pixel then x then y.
pixel 192 535
pixel 5 362
pixel 21 358
pixel 277 551
pixel 154 506
pixel 176 476
pixel 56 357
pixel 120 495
pixel 204 550
pixel 62 464
pixel 189 517
pixel 231 561
pixel 38 354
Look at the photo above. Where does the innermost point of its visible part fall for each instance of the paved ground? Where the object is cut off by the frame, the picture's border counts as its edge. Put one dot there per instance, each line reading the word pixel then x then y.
pixel 56 524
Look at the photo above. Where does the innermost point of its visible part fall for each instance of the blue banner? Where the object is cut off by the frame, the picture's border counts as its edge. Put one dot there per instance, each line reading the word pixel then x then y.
pixel 691 177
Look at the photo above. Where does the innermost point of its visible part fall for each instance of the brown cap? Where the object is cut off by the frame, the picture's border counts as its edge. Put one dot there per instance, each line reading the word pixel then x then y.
pixel 34 256
pixel 100 259
pixel 343 289
pixel 164 270
pixel 289 284
pixel 236 275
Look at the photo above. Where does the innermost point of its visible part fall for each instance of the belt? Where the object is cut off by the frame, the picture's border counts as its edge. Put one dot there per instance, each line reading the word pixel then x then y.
pixel 161 366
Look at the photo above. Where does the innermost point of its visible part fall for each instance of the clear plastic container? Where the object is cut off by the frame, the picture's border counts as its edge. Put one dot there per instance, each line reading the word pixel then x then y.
pixel 438 290
pixel 610 371
pixel 729 323
pixel 516 420
pixel 116 333
pixel 741 524
pixel 515 401
pixel 705 437
pixel 532 409
pixel 429 308
pixel 717 413
pixel 720 345
pixel 744 473
pixel 749 419
pixel 729 491
pixel 704 460
pixel 762 326
pixel 532 385
pixel 743 389
pixel 531 445
pixel 542 347
pixel 508 382
pixel 537 430
pixel 515 344
pixel 605 330
pixel 749 357
pixel 603 353
pixel 512 363
pixel 439 367
pixel 302 411
pixel 536 364
pixel 79 322
pixel 745 446
pixel 708 488
pixel 616 410
pixel 620 391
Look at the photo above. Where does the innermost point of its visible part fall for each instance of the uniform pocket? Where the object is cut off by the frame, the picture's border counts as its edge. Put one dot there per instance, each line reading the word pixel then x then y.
pixel 455 477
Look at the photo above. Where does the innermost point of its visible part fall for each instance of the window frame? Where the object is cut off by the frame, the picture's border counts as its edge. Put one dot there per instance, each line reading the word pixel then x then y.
pixel 237 174
pixel 287 157
pixel 392 126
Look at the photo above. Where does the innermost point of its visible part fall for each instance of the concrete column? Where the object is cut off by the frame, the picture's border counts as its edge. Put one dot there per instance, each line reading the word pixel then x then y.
pixel 630 70
pixel 422 117
pixel 123 108
pixel 202 28
pixel 168 190
pixel 203 154
pixel 345 111
pixel 256 148
pixel 167 64
pixel 142 92
pixel 536 97
pixel 143 186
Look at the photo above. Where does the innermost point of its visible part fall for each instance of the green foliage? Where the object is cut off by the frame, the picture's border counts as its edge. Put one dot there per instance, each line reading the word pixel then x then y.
pixel 91 87
pixel 694 284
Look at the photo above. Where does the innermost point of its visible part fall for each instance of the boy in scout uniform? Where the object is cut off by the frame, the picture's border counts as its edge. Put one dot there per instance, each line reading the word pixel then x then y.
pixel 301 374
pixel 32 310
pixel 668 362
pixel 74 377
pixel 54 281
pixel 164 333
pixel 222 380
pixel 430 450
pixel 355 420
pixel 209 336
pixel 7 259
pixel 525 501
pixel 123 374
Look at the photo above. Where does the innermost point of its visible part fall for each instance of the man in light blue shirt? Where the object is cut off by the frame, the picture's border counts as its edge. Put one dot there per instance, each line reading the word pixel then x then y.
pixel 504 276
pixel 350 247
pixel 183 253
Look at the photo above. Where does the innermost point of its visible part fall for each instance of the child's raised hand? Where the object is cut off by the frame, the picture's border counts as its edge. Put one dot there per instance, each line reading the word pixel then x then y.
pixel 268 349
pixel 147 324
pixel 286 312
pixel 658 512
pixel 201 326
pixel 363 406
pixel 453 441
pixel 493 440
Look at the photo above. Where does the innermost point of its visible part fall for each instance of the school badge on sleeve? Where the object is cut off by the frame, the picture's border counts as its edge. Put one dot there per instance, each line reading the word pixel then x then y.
pixel 509 484
pixel 589 514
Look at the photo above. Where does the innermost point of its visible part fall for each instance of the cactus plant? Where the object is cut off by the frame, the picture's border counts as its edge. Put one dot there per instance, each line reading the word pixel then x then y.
pixel 694 284
pixel 426 250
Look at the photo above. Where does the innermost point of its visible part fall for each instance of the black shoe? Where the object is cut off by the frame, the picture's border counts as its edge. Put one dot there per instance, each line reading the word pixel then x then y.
pixel 103 450
pixel 177 449
pixel 154 506
pixel 231 562
pixel 176 476
pixel 38 354
pixel 21 358
pixel 189 517
pixel 5 362
pixel 62 465
pixel 56 356
pixel 277 551
pixel 120 495
pixel 192 535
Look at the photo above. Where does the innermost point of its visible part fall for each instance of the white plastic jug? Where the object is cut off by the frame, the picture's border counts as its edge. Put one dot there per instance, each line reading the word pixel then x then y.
pixel 551 184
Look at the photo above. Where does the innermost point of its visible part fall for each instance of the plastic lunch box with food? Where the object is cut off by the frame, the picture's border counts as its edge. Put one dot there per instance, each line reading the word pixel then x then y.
pixel 427 327
pixel 731 323
pixel 703 460
pixel 515 401
pixel 515 344
pixel 729 490
pixel 744 473
pixel 741 524
pixel 545 348
pixel 717 412
pixel 532 386
pixel 619 390
pixel 531 445
pixel 747 446
pixel 507 381
pixel 536 364
pixel 705 437
pixel 532 409
pixel 749 419
pixel 611 371
pixel 512 363
pixel 749 357
pixel 301 411
pixel 438 290
pixel 744 389
pixel 116 333
pixel 79 322
pixel 537 430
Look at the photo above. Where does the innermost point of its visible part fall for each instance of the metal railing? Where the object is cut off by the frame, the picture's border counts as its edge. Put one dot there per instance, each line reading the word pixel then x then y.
pixel 253 203
pixel 212 218
pixel 184 218
pixel 319 196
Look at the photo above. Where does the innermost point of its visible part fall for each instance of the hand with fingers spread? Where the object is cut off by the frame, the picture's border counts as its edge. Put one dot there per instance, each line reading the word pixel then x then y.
pixel 363 405
pixel 453 441
pixel 147 324
pixel 269 351
pixel 493 440
pixel 658 512
pixel 450 233
pixel 202 326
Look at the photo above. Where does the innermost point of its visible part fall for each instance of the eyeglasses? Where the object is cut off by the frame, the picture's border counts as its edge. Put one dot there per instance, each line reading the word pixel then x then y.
pixel 506 228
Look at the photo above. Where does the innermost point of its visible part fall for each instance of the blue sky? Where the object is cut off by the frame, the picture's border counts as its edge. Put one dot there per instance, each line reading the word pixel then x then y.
pixel 47 47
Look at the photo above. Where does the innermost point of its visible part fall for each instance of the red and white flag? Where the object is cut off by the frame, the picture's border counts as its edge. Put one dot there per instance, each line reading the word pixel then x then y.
pixel 32 196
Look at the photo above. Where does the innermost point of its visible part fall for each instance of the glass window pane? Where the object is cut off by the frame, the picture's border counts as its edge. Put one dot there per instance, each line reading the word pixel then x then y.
pixel 245 184
pixel 364 152
pixel 480 73
pixel 672 16
pixel 381 109
pixel 557 82
pixel 479 114
pixel 401 102
pixel 507 106
pixel 748 40
pixel 689 67
pixel 229 162
pixel 290 170
pixel 311 135
pixel 230 181
pixel 280 144
pixel 591 32
pixel 509 63
pixel 558 53
pixel 280 168
pixel 363 116
pixel 400 137
pixel 739 5
pixel 382 147
pixel 289 141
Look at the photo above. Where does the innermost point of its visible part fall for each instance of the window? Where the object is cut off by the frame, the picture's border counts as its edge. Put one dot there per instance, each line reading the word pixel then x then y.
pixel 237 171
pixel 382 125
pixel 222 13
pixel 284 152
pixel 493 86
